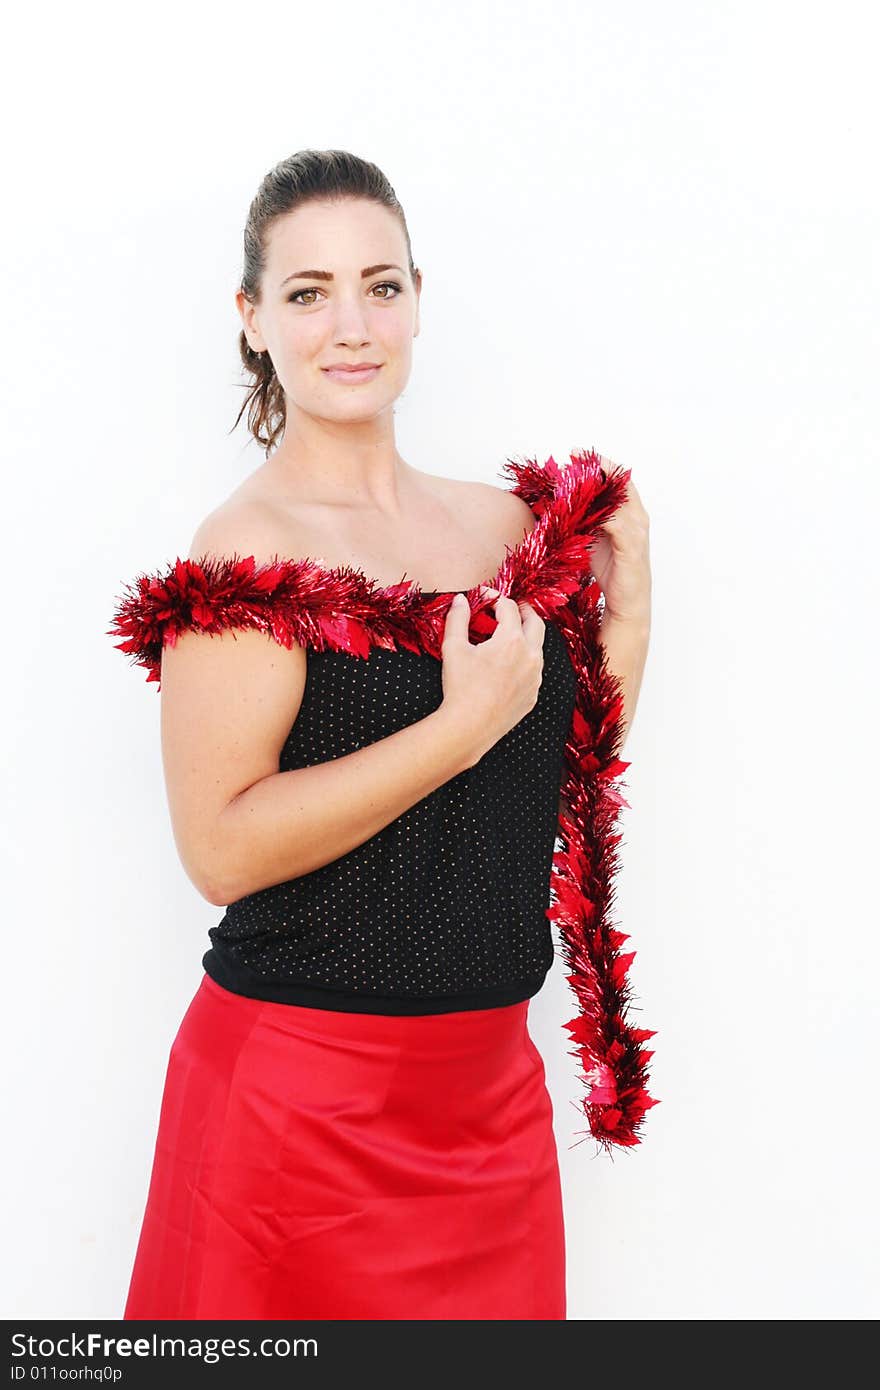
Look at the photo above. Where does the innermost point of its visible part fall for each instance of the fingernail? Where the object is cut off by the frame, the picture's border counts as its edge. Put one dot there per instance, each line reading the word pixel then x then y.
pixel 460 599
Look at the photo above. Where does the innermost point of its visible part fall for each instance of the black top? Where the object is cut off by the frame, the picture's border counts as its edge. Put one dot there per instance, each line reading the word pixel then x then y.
pixel 442 909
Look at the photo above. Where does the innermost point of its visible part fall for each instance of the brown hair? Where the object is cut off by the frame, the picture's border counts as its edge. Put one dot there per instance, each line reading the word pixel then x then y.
pixel 307 176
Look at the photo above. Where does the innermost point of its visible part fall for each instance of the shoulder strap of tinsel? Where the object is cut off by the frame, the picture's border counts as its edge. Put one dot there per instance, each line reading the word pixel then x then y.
pixel 292 601
pixel 342 609
pixel 613 1060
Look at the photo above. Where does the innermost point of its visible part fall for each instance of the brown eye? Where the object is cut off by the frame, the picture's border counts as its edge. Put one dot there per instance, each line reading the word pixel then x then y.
pixel 383 285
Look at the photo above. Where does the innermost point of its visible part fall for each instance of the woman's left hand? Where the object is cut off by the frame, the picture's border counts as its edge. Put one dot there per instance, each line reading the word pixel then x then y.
pixel 620 559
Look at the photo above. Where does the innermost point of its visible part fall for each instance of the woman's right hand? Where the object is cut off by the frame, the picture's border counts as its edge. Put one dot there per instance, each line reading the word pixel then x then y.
pixel 488 687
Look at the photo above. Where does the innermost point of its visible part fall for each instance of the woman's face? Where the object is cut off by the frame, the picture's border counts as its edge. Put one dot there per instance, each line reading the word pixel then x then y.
pixel 309 322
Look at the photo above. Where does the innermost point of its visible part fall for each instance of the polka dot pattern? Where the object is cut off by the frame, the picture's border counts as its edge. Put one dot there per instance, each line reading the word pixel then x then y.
pixel 445 907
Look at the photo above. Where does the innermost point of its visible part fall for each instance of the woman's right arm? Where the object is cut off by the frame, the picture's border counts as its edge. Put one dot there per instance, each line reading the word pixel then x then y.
pixel 228 703
pixel 229 700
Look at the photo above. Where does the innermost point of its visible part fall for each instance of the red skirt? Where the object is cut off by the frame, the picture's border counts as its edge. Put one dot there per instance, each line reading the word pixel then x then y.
pixel 313 1163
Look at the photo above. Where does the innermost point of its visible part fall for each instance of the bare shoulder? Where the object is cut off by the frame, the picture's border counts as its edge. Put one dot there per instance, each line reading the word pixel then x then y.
pixel 494 510
pixel 247 526
pixel 237 529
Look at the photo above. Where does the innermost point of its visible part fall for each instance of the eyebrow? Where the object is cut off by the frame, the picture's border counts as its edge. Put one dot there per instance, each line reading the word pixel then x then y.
pixel 327 275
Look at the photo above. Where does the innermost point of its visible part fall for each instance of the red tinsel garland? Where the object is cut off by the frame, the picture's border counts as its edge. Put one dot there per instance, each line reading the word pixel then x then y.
pixel 302 601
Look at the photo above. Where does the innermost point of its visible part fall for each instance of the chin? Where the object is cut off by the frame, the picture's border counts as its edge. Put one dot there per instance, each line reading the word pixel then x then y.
pixel 355 413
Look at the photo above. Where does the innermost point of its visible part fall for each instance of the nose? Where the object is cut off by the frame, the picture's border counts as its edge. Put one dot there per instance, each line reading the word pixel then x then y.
pixel 350 326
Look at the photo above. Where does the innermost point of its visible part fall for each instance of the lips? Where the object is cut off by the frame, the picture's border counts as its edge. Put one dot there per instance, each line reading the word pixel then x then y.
pixel 351 375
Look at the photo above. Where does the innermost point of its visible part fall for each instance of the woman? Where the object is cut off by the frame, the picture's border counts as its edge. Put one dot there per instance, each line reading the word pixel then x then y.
pixel 370 773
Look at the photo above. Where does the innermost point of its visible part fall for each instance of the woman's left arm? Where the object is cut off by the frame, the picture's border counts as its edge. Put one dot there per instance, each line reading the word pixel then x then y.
pixel 626 648
pixel 625 641
pixel 621 564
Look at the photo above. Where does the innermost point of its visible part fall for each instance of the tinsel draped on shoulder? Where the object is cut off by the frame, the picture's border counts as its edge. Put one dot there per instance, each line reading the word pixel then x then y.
pixel 341 609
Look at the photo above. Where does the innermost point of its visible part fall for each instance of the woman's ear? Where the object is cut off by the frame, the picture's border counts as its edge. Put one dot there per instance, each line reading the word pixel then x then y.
pixel 251 327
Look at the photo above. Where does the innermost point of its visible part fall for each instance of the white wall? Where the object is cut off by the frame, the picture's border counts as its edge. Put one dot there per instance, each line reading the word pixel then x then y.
pixel 647 229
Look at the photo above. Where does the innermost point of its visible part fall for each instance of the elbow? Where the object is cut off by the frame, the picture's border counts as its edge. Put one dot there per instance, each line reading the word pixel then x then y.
pixel 209 886
pixel 209 875
pixel 219 866
pixel 214 893
pixel 207 854
pixel 218 885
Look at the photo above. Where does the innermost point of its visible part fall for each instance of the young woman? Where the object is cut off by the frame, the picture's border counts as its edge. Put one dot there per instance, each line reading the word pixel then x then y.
pixel 370 773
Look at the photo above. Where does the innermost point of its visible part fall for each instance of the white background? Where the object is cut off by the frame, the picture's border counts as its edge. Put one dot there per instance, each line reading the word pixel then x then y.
pixel 649 229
